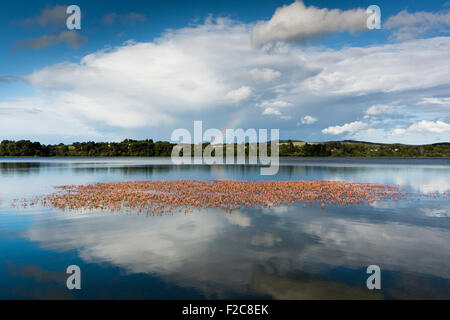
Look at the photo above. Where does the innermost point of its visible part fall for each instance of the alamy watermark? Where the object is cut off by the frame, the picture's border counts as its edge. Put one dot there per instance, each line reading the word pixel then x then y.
pixel 241 146
pixel 374 20
pixel 74 280
pixel 374 280
pixel 73 22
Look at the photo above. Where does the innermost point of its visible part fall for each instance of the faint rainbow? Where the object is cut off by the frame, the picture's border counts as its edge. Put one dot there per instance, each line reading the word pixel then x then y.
pixel 236 119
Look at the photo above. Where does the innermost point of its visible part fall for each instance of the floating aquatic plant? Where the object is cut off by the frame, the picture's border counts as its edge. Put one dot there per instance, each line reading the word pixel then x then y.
pixel 156 197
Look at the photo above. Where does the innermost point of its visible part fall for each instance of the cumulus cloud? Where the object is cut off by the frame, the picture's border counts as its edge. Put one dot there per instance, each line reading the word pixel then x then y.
pixel 425 126
pixel 431 126
pixel 308 120
pixel 152 84
pixel 239 94
pixel 378 110
pixel 346 128
pixel 298 23
pixel 407 25
pixel 19 117
pixel 271 111
pixel 398 131
pixel 275 104
pixel 438 101
pixel 265 74
pixel 384 68
pixel 271 107
pixel 199 71
pixel 130 18
pixel 70 38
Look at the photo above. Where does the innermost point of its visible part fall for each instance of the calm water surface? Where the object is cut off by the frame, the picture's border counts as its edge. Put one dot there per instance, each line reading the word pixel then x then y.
pixel 278 253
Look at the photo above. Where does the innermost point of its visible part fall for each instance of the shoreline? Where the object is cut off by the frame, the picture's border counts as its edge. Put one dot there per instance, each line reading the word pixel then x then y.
pixel 162 157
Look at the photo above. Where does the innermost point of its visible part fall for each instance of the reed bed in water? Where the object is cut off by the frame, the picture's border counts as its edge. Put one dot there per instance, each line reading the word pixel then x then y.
pixel 156 197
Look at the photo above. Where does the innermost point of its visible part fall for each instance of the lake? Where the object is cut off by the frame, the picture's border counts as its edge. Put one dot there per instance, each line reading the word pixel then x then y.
pixel 271 253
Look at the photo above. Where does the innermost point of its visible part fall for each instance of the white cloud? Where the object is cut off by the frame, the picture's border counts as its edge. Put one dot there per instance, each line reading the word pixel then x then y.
pixel 141 89
pixel 265 74
pixel 308 120
pixel 348 127
pixel 433 100
pixel 407 25
pixel 385 68
pixel 378 109
pixel 398 131
pixel 134 85
pixel 275 104
pixel 257 75
pixel 425 126
pixel 18 120
pixel 239 94
pixel 271 111
pixel 154 84
pixel 296 22
pixel 271 107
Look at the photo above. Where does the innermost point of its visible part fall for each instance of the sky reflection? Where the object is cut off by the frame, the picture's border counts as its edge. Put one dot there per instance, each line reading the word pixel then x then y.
pixel 281 253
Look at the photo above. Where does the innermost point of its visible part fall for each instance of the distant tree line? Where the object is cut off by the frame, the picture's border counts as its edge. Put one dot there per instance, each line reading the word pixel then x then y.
pixel 126 148
pixel 359 149
pixel 148 148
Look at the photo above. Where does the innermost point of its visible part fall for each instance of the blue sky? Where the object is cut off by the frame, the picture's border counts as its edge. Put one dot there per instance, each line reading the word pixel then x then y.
pixel 140 69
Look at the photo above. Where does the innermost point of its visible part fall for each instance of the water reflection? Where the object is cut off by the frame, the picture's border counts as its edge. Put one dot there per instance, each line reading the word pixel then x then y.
pixel 287 253
pixel 307 287
pixel 19 168
pixel 423 175
pixel 281 253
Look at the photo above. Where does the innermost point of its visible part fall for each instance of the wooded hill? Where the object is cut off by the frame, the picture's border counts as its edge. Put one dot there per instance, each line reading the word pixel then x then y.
pixel 288 148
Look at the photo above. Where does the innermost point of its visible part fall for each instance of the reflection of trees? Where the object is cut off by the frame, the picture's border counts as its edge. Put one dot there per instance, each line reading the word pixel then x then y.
pixel 45 284
pixel 307 287
pixel 19 168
